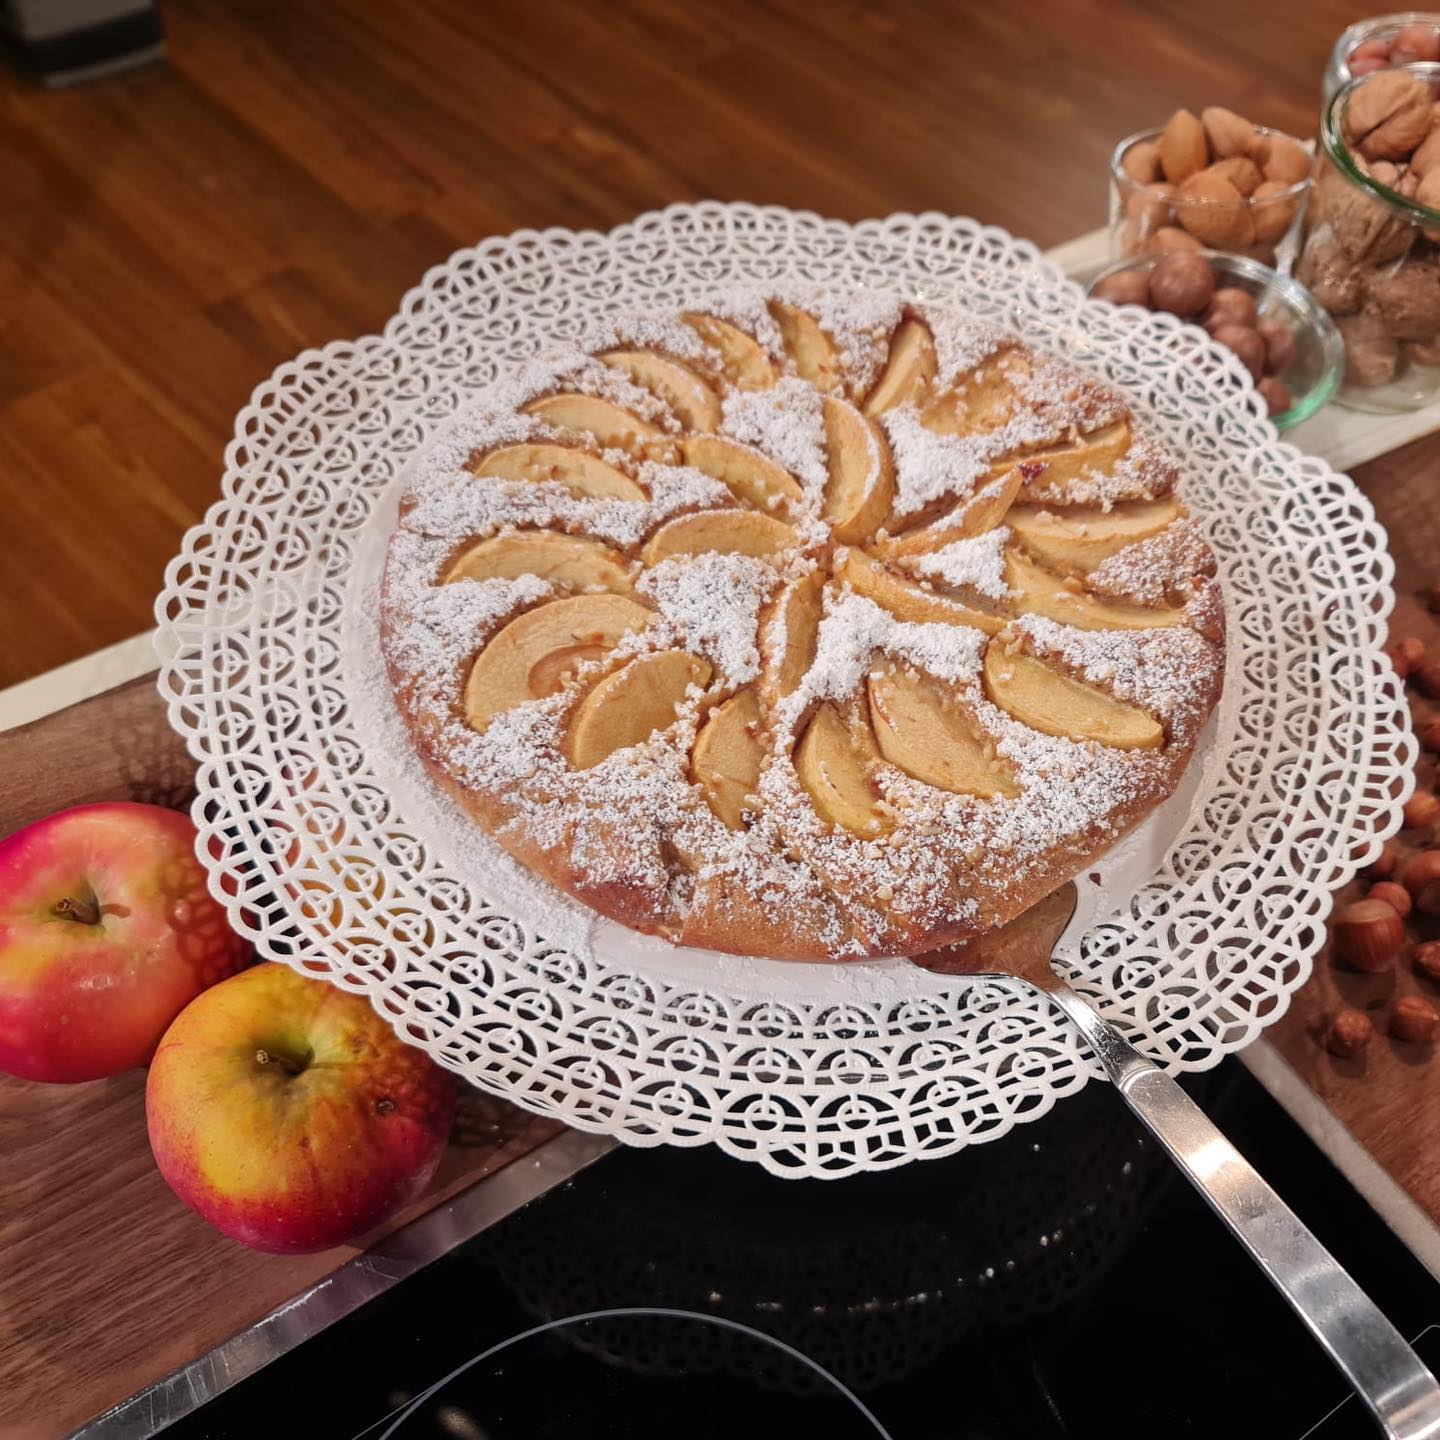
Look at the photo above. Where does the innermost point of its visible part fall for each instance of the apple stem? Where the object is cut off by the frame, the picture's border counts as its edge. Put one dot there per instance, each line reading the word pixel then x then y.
pixel 84 912
pixel 268 1057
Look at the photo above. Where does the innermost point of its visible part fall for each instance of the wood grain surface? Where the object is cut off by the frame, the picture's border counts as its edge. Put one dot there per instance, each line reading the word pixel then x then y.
pixel 107 1281
pixel 170 236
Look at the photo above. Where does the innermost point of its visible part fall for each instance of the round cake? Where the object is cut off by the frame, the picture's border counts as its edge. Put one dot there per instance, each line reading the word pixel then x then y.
pixel 802 624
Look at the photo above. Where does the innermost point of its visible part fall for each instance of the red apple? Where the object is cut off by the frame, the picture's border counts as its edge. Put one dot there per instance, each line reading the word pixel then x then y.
pixel 107 932
pixel 289 1115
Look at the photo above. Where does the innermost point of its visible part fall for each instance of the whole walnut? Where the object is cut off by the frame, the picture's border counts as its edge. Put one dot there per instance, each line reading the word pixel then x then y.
pixel 1388 115
pixel 1406 299
pixel 1331 278
pixel 1371 351
pixel 1366 229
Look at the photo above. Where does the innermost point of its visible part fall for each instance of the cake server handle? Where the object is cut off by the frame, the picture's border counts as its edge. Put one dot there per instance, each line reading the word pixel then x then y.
pixel 1371 1353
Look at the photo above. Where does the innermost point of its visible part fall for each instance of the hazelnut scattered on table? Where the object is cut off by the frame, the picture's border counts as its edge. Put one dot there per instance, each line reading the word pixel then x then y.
pixel 1348 1033
pixel 1421 877
pixel 1369 934
pixel 1430 735
pixel 1383 866
pixel 1183 284
pixel 1397 897
pixel 1427 959
pixel 1414 1018
pixel 1421 811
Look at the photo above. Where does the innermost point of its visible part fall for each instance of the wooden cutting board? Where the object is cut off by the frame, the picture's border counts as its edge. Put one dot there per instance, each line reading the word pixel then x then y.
pixel 107 1282
pixel 1389 1098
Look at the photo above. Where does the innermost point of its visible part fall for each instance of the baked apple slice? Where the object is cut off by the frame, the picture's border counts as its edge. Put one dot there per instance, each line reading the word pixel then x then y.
pixel 982 400
pixel 750 476
pixel 810 349
pixel 906 600
pixel 788 635
pixel 581 473
pixel 573 560
pixel 922 728
pixel 1047 470
pixel 677 385
pixel 1039 591
pixel 1039 696
pixel 632 704
pixel 909 371
pixel 742 358
pixel 861 484
pixel 730 532
pixel 727 757
pixel 609 423
pixel 537 652
pixel 1082 537
pixel 981 512
pixel 834 767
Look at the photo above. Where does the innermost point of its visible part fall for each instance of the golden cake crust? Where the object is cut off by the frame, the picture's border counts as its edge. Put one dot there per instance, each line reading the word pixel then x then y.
pixel 802 625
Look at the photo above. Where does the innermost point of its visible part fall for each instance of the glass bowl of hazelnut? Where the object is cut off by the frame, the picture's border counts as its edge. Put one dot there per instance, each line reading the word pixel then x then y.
pixel 1213 181
pixel 1382 41
pixel 1371 255
pixel 1289 345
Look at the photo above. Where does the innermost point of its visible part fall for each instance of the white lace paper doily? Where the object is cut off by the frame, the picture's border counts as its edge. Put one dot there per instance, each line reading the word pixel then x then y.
pixel 809 1070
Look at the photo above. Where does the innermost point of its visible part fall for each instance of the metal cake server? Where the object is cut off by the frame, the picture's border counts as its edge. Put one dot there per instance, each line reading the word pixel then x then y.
pixel 1371 1353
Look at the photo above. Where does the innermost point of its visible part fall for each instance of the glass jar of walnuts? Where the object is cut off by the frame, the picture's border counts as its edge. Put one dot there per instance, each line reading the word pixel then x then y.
pixel 1371 253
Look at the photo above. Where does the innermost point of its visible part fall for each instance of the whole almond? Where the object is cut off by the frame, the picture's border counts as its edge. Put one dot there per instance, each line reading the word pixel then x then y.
pixel 1170 238
pixel 1182 147
pixel 1285 160
pixel 1241 171
pixel 1388 115
pixel 1141 162
pixel 1228 133
pixel 1271 217
pixel 1214 212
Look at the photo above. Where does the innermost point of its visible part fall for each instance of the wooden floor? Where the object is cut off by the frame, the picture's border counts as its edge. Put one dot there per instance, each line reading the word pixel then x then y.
pixel 167 238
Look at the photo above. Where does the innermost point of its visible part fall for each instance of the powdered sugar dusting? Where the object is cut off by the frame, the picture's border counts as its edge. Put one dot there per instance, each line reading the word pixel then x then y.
pixel 976 564
pixel 786 422
pixel 713 603
pixel 1152 570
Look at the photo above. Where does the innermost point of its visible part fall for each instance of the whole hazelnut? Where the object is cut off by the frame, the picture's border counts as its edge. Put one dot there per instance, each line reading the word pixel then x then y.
pixel 1230 306
pixel 1397 897
pixel 1414 1018
pixel 1368 64
pixel 1403 664
pixel 1246 343
pixel 1430 735
pixel 1348 1033
pixel 1170 240
pixel 1421 878
pixel 1427 959
pixel 1377 50
pixel 1369 934
pixel 1181 284
pixel 1427 679
pixel 1125 287
pixel 1383 866
pixel 1276 395
pixel 1421 810
pixel 1279 344
pixel 1414 42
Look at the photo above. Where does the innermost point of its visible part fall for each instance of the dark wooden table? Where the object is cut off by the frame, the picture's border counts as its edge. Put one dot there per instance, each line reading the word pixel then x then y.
pixel 169 237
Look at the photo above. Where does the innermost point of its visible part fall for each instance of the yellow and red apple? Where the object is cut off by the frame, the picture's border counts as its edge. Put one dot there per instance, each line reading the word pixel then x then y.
pixel 107 932
pixel 289 1115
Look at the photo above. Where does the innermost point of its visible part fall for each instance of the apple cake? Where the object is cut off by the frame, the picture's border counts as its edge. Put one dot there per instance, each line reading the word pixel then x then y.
pixel 801 624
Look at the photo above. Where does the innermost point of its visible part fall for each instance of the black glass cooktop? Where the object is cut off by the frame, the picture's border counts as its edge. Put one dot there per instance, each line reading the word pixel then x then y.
pixel 1061 1282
